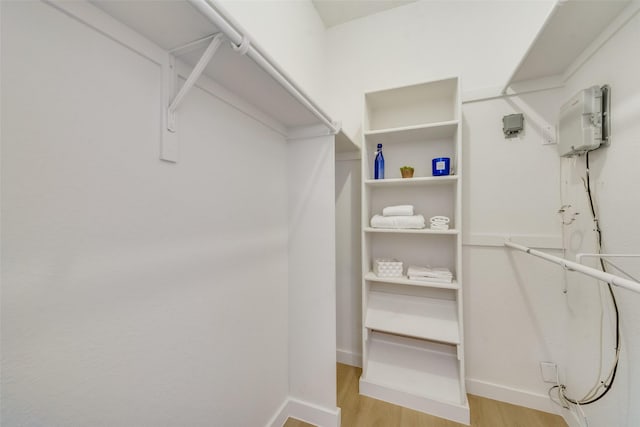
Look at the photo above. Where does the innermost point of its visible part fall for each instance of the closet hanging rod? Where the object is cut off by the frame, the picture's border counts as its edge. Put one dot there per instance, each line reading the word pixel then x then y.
pixel 580 268
pixel 234 32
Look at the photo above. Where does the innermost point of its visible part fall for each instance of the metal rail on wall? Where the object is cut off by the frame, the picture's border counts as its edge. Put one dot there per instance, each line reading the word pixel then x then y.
pixel 580 268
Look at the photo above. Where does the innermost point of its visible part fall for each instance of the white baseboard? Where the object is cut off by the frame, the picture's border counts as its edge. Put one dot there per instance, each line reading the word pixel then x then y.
pixel 314 414
pixel 448 410
pixel 280 417
pixel 307 412
pixel 571 419
pixel 349 358
pixel 515 396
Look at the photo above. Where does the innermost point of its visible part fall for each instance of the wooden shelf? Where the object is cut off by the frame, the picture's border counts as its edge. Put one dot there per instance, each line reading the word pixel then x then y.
pixel 413 133
pixel 417 181
pixel 418 317
pixel 371 277
pixel 397 369
pixel 410 231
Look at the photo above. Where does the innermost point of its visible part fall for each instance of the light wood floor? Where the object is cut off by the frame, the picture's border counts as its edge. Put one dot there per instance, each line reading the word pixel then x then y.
pixel 361 411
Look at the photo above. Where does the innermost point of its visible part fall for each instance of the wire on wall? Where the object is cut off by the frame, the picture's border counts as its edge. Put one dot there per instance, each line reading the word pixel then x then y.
pixel 601 388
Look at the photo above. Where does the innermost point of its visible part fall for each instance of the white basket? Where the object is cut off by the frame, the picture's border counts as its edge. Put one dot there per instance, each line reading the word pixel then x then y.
pixel 387 267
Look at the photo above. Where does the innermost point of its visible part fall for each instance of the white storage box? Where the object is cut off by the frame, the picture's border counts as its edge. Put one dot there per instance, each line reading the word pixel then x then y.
pixel 387 267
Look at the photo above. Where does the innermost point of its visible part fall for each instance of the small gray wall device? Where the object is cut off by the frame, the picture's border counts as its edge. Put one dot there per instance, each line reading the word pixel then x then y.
pixel 512 125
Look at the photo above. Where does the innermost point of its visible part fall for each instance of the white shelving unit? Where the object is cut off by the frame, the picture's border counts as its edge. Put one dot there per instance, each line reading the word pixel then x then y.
pixel 413 345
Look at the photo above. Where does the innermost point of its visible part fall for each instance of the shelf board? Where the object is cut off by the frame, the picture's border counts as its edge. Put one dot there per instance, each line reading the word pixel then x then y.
pixel 560 42
pixel 409 231
pixel 371 277
pixel 177 23
pixel 413 133
pixel 418 317
pixel 414 374
pixel 417 181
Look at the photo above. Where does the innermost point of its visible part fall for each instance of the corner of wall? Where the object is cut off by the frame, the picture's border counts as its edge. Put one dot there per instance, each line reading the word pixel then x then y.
pixel 307 412
pixel 511 395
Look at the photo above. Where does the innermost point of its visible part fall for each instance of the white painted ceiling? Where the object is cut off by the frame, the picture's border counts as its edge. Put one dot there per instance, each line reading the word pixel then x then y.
pixel 335 12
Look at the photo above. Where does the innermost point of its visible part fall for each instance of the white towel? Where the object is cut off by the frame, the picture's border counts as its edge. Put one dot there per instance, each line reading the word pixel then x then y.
pixel 439 219
pixel 397 222
pixel 439 227
pixel 431 279
pixel 400 210
pixel 440 223
pixel 418 271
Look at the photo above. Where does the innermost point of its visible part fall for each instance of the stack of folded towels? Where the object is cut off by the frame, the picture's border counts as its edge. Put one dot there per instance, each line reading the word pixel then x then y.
pixel 439 223
pixel 398 217
pixel 428 274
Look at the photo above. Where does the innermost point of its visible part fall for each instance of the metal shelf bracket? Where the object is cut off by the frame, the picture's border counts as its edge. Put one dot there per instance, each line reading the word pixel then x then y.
pixel 169 148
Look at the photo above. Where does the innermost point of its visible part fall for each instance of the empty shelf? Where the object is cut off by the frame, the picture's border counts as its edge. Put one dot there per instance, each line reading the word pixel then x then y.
pixel 426 318
pixel 413 133
pixel 398 366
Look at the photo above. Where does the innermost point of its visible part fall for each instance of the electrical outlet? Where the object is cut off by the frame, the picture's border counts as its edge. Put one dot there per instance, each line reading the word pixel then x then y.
pixel 549 371
pixel 549 135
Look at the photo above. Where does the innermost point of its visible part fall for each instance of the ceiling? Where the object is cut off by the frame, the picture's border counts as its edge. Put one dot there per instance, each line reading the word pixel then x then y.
pixel 335 12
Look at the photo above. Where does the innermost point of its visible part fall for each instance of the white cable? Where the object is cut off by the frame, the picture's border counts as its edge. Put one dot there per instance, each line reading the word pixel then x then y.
pixel 584 416
pixel 600 388
pixel 596 387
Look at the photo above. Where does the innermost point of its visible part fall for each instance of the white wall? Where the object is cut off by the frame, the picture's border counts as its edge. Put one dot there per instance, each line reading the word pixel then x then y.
pixel 293 34
pixel 312 297
pixel 481 41
pixel 513 302
pixel 511 186
pixel 134 292
pixel 614 173
pixel 349 270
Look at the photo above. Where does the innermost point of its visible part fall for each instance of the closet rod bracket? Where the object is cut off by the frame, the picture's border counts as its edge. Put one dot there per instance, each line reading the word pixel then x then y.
pixel 191 80
pixel 169 145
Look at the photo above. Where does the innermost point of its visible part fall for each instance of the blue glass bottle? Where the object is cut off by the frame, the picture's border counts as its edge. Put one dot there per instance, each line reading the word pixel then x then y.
pixel 378 164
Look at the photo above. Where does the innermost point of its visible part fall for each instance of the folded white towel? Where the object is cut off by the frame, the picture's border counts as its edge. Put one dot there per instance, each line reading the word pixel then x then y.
pixel 398 222
pixel 439 227
pixel 418 271
pixel 400 210
pixel 431 279
pixel 439 219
